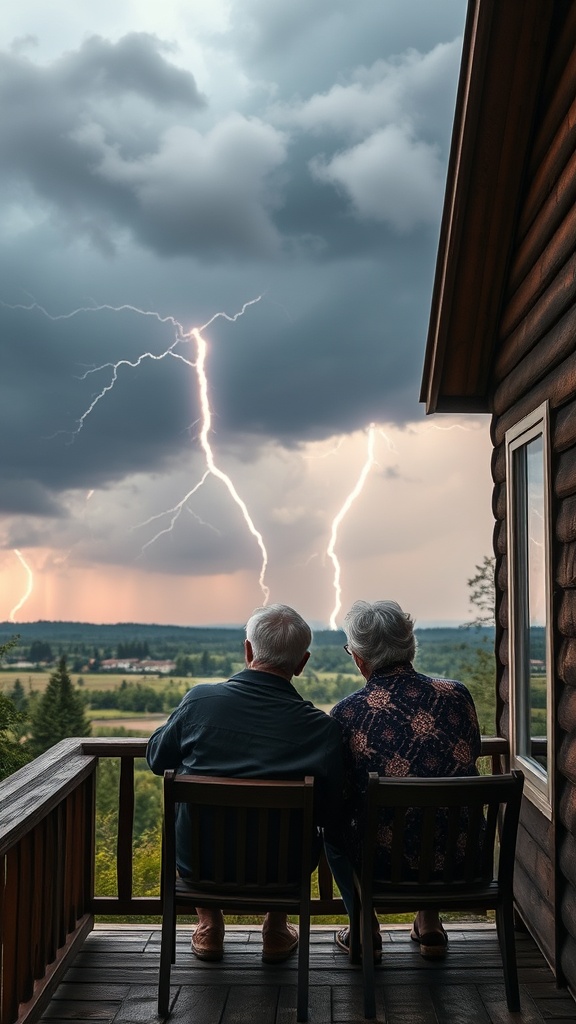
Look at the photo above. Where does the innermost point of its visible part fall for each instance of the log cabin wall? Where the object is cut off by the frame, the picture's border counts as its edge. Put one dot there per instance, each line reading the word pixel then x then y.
pixel 536 361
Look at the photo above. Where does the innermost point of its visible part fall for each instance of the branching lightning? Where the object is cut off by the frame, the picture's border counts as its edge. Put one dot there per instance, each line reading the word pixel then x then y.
pixel 354 493
pixel 199 365
pixel 29 586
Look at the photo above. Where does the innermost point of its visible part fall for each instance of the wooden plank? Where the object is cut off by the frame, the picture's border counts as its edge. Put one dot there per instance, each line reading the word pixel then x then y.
pixel 201 1003
pixel 409 1005
pixel 459 1003
pixel 244 999
pixel 319 1005
pixel 494 1000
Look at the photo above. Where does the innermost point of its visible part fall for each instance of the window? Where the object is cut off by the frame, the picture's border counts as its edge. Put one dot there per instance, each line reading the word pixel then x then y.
pixel 529 591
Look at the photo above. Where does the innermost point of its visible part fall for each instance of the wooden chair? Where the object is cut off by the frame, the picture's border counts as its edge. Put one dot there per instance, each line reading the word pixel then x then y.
pixel 251 851
pixel 485 809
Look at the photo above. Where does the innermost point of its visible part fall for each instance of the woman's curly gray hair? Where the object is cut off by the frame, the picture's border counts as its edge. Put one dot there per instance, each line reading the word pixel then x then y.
pixel 380 633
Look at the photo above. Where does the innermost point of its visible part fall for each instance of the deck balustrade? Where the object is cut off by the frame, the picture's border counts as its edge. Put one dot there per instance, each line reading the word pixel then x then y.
pixel 47 850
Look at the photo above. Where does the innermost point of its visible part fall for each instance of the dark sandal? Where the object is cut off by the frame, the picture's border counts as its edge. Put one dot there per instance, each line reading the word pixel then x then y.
pixel 342 940
pixel 433 945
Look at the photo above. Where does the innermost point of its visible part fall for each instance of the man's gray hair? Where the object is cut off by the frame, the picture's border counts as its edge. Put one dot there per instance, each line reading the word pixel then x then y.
pixel 380 633
pixel 279 636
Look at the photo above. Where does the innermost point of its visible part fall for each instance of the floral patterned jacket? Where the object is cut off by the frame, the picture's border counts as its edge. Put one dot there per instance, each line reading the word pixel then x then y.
pixel 402 723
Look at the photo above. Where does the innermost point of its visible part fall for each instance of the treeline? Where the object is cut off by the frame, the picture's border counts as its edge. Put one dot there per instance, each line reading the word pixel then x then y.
pixel 212 652
pixel 136 697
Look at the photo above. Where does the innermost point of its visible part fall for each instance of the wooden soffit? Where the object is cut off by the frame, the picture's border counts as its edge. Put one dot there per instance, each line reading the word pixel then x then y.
pixel 505 44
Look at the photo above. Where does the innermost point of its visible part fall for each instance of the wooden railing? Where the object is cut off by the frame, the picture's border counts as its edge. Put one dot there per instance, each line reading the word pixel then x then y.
pixel 47 849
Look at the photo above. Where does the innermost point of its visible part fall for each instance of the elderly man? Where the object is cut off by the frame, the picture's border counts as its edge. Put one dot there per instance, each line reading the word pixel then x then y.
pixel 400 723
pixel 256 725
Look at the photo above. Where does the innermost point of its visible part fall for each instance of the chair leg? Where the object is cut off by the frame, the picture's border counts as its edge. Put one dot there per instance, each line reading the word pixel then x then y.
pixel 354 954
pixel 167 957
pixel 505 930
pixel 303 965
pixel 368 960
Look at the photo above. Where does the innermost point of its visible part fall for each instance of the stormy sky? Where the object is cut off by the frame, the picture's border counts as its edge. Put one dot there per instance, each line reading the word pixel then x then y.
pixel 162 163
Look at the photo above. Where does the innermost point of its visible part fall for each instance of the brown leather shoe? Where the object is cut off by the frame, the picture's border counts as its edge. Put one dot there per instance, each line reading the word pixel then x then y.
pixel 278 944
pixel 208 943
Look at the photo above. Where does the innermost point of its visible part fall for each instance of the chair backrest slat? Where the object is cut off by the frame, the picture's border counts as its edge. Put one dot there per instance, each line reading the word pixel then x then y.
pixel 443 832
pixel 451 850
pixel 397 851
pixel 427 842
pixel 245 833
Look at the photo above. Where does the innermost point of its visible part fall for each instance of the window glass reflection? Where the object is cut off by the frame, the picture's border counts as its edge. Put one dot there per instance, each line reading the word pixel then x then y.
pixel 537 709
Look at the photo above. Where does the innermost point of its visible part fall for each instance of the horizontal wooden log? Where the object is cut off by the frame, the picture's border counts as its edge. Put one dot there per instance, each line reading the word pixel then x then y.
pixel 558 298
pixel 565 574
pixel 567 614
pixel 567 806
pixel 542 254
pixel 557 89
pixel 566 662
pixel 499 501
pixel 500 537
pixel 565 475
pixel 504 685
pixel 552 349
pixel 567 960
pixel 503 648
pixel 566 519
pixel 543 179
pixel 537 826
pixel 504 723
pixel 498 464
pixel 567 709
pixel 503 611
pixel 502 573
pixel 568 910
pixel 558 387
pixel 564 427
pixel 566 759
pixel 536 912
pixel 537 864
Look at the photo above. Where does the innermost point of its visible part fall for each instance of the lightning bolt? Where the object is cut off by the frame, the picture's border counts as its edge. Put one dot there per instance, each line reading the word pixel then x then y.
pixel 331 549
pixel 29 586
pixel 199 365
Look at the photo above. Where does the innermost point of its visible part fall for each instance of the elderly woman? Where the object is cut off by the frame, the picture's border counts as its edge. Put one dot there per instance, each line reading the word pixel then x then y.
pixel 400 723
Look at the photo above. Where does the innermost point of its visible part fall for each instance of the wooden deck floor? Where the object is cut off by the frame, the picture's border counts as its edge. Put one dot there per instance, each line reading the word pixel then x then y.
pixel 113 979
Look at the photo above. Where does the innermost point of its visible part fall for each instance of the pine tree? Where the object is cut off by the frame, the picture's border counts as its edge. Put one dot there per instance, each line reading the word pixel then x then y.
pixel 12 753
pixel 58 713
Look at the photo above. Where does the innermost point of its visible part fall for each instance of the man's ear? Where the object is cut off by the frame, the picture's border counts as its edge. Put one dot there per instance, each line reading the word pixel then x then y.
pixel 301 664
pixel 248 653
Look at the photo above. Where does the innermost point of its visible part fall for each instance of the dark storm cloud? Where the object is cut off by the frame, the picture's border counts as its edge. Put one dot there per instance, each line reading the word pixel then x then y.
pixel 142 424
pixel 133 64
pixel 326 202
pixel 28 497
pixel 72 139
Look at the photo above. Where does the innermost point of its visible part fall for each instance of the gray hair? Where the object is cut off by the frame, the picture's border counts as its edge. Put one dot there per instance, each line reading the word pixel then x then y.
pixel 380 633
pixel 279 636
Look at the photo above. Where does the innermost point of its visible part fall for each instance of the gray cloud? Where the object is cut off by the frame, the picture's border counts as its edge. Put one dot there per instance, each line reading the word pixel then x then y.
pixel 121 181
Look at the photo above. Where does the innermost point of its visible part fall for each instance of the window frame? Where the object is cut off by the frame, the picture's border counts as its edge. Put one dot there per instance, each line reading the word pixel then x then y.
pixel 539 782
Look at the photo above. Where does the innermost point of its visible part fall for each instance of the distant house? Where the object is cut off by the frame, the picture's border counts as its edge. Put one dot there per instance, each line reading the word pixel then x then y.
pixel 137 666
pixel 120 665
pixel 162 668
pixel 502 339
